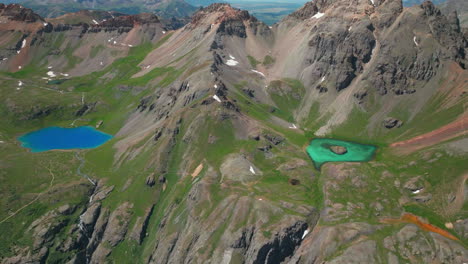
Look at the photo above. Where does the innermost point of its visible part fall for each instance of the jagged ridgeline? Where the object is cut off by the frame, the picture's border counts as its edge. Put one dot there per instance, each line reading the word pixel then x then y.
pixel 210 126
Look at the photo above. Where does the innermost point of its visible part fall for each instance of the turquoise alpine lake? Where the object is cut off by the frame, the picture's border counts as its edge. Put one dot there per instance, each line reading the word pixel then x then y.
pixel 55 138
pixel 320 151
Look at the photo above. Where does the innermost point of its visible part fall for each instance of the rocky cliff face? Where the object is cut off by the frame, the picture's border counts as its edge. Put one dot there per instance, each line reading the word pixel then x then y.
pixel 210 121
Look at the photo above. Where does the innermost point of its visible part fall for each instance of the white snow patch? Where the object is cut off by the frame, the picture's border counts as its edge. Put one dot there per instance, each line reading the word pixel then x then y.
pixel 252 170
pixel 51 74
pixel 373 3
pixel 23 44
pixel 216 86
pixel 318 15
pixel 95 22
pixel 232 61
pixel 45 78
pixel 115 42
pixel 18 51
pixel 1 141
pixel 64 74
pixel 293 126
pixel 147 67
pixel 351 27
pixel 323 79
pixel 164 32
pixel 261 73
pixel 5 59
pixel 50 67
pixel 216 98
pixel 270 27
pixel 101 63
pixel 20 67
pixel 305 233
pixel 417 191
pixel 415 42
pixel 20 83
pixel 45 24
pixel 130 45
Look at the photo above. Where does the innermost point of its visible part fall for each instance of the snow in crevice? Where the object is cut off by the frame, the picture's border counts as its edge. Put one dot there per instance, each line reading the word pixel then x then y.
pixel 20 67
pixel 20 83
pixel 323 79
pixel 95 22
pixel 232 61
pixel 51 74
pixel 23 44
pixel 417 191
pixel 351 27
pixel 415 42
pixel 215 86
pixel 260 73
pixel 49 67
pixel 216 98
pixel 252 170
pixel 293 126
pixel 305 233
pixel 373 2
pixel 164 32
pixel 318 15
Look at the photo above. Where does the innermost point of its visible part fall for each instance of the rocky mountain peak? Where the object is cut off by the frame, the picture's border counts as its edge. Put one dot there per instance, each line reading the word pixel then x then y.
pixel 430 9
pixel 19 13
pixel 360 6
pixel 223 12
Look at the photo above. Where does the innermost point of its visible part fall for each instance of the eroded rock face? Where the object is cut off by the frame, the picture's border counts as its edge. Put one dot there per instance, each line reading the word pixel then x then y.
pixel 391 122
pixel 150 181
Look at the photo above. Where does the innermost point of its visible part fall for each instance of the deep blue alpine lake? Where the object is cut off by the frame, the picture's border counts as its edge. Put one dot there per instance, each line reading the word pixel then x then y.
pixel 50 138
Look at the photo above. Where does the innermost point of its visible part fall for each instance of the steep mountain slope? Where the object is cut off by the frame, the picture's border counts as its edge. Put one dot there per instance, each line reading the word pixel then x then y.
pixel 211 121
pixel 459 6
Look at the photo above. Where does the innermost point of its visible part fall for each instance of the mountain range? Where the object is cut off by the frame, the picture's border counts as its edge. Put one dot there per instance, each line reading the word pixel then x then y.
pixel 211 123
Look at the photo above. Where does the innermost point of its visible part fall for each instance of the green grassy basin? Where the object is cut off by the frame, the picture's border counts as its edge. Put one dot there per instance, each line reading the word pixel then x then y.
pixel 320 153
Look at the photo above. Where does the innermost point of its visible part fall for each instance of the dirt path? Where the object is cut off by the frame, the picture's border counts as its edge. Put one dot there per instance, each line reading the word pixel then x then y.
pixel 454 129
pixel 34 200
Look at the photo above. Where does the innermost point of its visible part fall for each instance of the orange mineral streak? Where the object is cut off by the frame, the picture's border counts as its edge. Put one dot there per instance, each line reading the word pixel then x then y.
pixel 449 131
pixel 413 219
